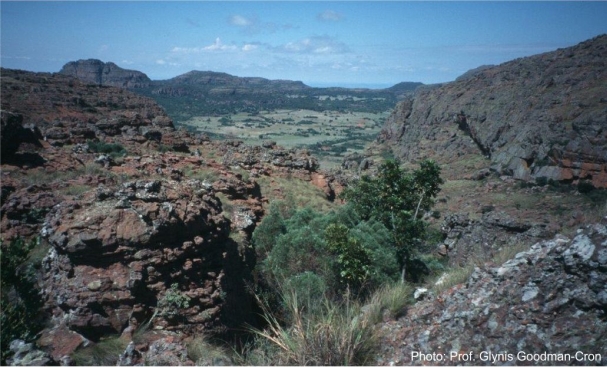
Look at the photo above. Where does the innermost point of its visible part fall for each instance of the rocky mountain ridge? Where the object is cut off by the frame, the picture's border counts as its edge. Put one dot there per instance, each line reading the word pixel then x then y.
pixel 197 93
pixel 109 74
pixel 542 116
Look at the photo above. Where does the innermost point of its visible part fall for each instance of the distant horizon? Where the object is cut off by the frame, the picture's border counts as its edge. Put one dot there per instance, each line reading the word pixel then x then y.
pixel 350 44
pixel 309 84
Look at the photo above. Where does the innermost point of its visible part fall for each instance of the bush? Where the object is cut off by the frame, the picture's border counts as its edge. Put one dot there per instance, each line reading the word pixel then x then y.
pixel 114 150
pixel 585 187
pixel 541 181
pixel 397 199
pixel 20 304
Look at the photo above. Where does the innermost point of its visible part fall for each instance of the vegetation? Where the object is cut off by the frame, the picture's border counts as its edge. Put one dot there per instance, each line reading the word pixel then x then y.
pixel 397 199
pixel 326 134
pixel 336 334
pixel 114 150
pixel 104 353
pixel 19 302
pixel 318 269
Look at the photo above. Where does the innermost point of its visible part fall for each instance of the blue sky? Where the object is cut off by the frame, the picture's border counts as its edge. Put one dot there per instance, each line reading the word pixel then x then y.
pixel 363 43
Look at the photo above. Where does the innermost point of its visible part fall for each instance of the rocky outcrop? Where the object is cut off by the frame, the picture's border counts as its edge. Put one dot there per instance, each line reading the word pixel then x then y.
pixel 68 111
pixel 547 306
pixel 105 73
pixel 468 239
pixel 148 251
pixel 539 116
pixel 13 135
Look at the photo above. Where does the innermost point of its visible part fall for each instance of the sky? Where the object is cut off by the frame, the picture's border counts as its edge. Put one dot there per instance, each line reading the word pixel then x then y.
pixel 346 43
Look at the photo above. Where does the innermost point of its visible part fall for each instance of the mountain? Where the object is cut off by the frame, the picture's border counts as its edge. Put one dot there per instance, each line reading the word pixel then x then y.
pixel 539 117
pixel 109 74
pixel 198 93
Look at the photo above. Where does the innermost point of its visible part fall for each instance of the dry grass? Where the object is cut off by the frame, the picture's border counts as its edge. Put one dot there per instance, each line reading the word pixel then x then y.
pixel 303 193
pixel 334 335
pixel 509 252
pixel 391 298
pixel 204 353
pixel 104 353
pixel 452 277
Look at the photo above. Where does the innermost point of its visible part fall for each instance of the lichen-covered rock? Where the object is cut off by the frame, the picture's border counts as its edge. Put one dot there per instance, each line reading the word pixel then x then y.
pixel 148 249
pixel 549 300
pixel 26 354
pixel 467 238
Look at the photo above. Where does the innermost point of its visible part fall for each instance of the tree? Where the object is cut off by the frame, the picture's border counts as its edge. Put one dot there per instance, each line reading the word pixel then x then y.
pixel 398 198
pixel 353 263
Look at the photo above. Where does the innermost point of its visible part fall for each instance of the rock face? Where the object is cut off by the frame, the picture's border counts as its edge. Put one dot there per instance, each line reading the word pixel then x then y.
pixel 69 111
pixel 466 239
pixel 547 302
pixel 119 253
pixel 101 73
pixel 539 116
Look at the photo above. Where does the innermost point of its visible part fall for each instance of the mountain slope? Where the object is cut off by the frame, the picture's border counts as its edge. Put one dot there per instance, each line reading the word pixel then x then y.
pixel 539 116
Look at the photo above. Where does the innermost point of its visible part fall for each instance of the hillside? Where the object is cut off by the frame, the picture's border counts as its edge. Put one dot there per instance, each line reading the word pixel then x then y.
pixel 539 117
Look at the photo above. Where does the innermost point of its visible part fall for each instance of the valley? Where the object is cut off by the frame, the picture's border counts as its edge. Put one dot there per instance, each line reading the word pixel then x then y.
pixel 210 219
pixel 329 135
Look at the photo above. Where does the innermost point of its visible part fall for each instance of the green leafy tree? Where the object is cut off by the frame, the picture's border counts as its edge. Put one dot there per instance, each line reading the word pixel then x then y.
pixel 398 198
pixel 353 259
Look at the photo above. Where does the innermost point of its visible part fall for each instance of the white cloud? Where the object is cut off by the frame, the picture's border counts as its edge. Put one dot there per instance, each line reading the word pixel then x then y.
pixel 240 21
pixel 127 62
pixel 315 45
pixel 218 46
pixel 252 24
pixel 160 62
pixel 329 16
pixel 215 46
pixel 249 47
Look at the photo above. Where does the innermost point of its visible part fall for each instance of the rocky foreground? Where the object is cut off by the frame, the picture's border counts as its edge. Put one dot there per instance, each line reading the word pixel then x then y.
pixel 547 306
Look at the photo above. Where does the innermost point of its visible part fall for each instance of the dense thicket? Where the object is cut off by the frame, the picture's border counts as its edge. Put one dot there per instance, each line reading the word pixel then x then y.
pixel 364 244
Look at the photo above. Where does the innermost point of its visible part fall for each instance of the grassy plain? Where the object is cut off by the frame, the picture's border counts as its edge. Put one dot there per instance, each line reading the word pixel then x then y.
pixel 327 134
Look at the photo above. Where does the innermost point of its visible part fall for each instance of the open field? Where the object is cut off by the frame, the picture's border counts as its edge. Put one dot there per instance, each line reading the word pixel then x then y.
pixel 328 134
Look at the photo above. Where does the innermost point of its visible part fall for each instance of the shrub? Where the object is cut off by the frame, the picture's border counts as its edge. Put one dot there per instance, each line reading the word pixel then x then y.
pixel 541 181
pixel 20 303
pixel 397 198
pixel 114 150
pixel 585 187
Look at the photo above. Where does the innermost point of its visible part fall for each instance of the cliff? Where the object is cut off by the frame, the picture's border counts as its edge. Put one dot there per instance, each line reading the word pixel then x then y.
pixel 109 74
pixel 539 116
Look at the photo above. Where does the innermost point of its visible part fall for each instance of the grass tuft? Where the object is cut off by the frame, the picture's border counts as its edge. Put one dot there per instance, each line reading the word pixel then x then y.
pixel 335 334
pixel 104 353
